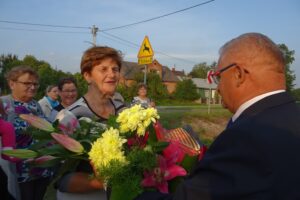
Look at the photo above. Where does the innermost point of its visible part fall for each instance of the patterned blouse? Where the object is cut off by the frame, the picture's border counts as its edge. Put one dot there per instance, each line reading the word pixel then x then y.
pixel 24 140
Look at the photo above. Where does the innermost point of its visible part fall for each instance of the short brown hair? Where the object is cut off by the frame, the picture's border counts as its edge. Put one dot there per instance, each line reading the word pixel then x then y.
pixel 65 80
pixel 95 55
pixel 18 71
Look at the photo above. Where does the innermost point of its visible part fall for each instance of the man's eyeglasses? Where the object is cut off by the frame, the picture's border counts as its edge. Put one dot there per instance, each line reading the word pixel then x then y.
pixel 216 74
pixel 29 84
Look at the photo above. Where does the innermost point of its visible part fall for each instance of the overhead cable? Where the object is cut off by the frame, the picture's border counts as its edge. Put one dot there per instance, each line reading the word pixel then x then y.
pixel 48 25
pixel 39 30
pixel 161 16
pixel 159 52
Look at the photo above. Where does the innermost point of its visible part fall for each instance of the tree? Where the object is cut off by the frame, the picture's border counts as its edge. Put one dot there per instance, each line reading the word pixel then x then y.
pixel 186 90
pixel 6 63
pixel 82 85
pixel 289 59
pixel 200 70
pixel 296 94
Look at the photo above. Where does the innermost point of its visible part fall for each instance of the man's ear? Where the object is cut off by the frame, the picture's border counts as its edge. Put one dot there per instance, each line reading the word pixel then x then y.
pixel 240 75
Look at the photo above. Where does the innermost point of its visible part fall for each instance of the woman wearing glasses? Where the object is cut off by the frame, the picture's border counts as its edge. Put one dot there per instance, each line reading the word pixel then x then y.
pixel 23 82
pixel 67 90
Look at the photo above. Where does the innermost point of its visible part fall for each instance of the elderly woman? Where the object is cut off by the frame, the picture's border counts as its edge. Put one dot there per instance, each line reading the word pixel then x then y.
pixel 23 82
pixel 100 67
pixel 49 101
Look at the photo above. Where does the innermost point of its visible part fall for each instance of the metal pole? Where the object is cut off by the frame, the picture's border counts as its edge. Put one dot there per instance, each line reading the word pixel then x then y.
pixel 209 99
pixel 94 33
pixel 145 75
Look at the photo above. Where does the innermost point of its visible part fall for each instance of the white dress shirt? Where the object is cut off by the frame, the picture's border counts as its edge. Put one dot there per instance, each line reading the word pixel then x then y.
pixel 250 102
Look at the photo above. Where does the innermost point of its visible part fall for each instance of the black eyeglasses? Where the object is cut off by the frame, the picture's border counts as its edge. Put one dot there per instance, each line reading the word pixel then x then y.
pixel 216 74
pixel 29 84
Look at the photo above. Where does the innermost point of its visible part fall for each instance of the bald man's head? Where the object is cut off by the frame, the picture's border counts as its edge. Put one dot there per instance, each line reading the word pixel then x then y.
pixel 258 69
pixel 255 50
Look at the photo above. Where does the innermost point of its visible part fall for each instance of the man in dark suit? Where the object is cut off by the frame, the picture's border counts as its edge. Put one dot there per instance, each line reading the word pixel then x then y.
pixel 257 155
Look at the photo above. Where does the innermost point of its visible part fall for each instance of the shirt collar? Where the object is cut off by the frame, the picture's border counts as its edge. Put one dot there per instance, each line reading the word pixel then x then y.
pixel 250 102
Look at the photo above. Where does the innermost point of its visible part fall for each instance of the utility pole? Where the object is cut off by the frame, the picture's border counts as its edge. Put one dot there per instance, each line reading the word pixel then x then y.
pixel 94 33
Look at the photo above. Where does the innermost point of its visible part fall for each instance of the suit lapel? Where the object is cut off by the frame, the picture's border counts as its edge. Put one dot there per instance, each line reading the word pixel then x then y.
pixel 266 103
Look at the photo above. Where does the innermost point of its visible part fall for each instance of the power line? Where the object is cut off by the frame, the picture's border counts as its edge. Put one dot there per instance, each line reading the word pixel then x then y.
pixel 39 30
pixel 136 45
pixel 161 16
pixel 48 25
pixel 118 27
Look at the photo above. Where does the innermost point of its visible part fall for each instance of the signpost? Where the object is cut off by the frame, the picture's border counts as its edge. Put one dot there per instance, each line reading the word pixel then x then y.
pixel 145 55
pixel 209 81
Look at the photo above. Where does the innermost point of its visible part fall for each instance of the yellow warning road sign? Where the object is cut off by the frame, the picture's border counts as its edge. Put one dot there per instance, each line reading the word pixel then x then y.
pixel 145 49
pixel 145 60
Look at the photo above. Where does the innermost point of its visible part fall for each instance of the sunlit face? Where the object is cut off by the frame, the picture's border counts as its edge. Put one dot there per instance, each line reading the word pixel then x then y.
pixel 104 76
pixel 68 94
pixel 24 88
pixel 142 92
pixel 53 93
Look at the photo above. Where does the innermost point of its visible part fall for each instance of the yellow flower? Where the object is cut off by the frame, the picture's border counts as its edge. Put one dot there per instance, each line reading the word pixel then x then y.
pixel 107 148
pixel 136 119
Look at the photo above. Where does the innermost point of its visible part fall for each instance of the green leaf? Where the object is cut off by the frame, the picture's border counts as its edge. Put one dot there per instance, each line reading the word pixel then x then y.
pixel 112 121
pixel 20 153
pixel 152 135
pixel 40 144
pixel 189 162
pixel 158 147
pixel 38 134
pixel 56 149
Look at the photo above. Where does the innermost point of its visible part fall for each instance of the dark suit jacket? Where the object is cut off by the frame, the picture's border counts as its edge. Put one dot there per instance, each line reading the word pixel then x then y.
pixel 258 157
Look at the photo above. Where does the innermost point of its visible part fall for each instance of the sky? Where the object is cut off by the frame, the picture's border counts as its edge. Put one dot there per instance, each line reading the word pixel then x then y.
pixel 180 40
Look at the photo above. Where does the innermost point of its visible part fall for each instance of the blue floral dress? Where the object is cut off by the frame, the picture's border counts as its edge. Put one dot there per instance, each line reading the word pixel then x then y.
pixel 24 140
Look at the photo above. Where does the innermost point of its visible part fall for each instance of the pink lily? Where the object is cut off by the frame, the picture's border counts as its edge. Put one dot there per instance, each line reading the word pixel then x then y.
pixel 160 176
pixel 173 153
pixel 37 122
pixel 69 127
pixel 68 122
pixel 68 143
pixel 42 159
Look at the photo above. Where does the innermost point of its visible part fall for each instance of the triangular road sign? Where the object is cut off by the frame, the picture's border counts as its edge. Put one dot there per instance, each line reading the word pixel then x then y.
pixel 145 49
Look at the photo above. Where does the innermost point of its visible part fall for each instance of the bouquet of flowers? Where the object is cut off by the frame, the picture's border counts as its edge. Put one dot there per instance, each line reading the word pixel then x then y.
pixel 130 154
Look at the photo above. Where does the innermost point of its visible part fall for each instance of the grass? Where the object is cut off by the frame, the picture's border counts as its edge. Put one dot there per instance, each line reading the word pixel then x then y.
pixel 206 125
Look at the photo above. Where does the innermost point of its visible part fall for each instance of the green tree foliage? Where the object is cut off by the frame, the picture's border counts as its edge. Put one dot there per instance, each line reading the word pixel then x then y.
pixel 127 92
pixel 289 59
pixel 186 90
pixel 296 94
pixel 156 89
pixel 200 70
pixel 6 63
pixel 48 75
pixel 81 84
